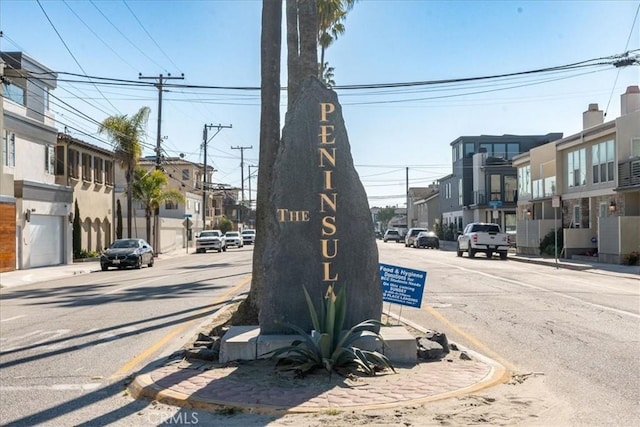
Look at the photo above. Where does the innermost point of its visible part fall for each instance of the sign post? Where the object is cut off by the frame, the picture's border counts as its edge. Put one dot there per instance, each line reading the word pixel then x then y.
pixel 555 203
pixel 187 223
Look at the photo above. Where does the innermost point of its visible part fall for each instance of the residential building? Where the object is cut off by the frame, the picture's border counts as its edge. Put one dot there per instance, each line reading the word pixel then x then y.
pixel 89 171
pixel 35 209
pixel 587 185
pixel 424 207
pixel 482 186
pixel 187 177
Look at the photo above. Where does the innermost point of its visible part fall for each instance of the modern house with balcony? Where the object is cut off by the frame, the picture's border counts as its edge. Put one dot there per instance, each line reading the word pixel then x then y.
pixel 483 183
pixel 34 208
pixel 587 185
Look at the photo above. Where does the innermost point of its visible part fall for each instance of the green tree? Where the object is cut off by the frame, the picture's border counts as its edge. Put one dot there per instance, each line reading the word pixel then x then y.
pixel 225 225
pixel 149 189
pixel 331 16
pixel 77 232
pixel 126 133
pixel 385 214
pixel 118 220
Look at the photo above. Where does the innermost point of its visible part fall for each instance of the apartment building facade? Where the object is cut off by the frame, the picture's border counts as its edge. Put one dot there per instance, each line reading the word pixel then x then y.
pixel 587 186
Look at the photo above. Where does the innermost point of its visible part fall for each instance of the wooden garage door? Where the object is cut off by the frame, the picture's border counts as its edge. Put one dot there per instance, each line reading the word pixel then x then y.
pixel 7 237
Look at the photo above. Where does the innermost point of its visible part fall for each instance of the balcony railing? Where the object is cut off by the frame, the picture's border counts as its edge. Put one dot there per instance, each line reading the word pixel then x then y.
pixel 483 198
pixel 629 173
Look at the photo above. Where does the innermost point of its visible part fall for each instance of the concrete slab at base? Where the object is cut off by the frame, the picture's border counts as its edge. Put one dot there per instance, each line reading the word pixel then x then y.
pixel 246 343
pixel 239 343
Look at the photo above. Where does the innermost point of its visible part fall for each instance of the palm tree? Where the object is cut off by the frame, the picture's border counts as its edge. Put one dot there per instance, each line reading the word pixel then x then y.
pixel 125 132
pixel 331 16
pixel 149 189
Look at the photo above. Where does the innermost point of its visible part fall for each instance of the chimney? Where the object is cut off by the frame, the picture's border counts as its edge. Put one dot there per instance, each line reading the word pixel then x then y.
pixel 630 100
pixel 592 117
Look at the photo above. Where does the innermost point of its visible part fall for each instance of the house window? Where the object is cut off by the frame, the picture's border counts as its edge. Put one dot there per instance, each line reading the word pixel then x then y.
pixel 500 150
pixel 98 164
pixel 577 216
pixel 602 158
pixel 603 209
pixel 170 205
pixel 524 181
pixel 13 92
pixel 86 167
pixel 8 148
pixel 74 160
pixel 550 186
pixel 510 188
pixel 108 172
pixel 460 192
pixel 185 174
pixel 196 207
pixel 513 150
pixel 635 147
pixel 495 187
pixel 576 168
pixel 469 149
pixel 60 160
pixel 49 159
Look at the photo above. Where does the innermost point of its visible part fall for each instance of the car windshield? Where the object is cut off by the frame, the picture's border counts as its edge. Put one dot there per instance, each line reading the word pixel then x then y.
pixel 392 232
pixel 231 234
pixel 486 228
pixel 119 244
pixel 209 234
pixel 248 232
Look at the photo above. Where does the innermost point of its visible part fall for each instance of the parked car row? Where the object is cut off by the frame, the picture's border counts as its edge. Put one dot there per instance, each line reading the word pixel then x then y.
pixel 217 241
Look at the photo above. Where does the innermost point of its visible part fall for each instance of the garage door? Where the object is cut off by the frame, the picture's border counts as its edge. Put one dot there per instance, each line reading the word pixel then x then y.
pixel 46 240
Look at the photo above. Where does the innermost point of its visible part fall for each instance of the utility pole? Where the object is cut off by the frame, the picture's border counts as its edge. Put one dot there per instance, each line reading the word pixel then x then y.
pixel 255 167
pixel 205 142
pixel 161 80
pixel 241 175
pixel 407 188
pixel 242 166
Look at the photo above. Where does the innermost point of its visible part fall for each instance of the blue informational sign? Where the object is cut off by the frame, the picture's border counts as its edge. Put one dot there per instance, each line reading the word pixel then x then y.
pixel 495 204
pixel 402 285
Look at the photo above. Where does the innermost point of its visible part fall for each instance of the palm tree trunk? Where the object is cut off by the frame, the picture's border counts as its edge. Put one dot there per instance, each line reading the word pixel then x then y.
pixel 147 214
pixel 129 179
pixel 293 53
pixel 270 46
pixel 308 13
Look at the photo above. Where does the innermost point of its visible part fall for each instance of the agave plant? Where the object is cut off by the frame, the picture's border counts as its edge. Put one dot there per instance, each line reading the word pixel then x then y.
pixel 330 346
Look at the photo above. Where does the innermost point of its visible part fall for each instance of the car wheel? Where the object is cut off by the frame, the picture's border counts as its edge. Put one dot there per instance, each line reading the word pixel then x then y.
pixel 458 251
pixel 224 249
pixel 436 247
pixel 503 255
pixel 151 261
pixel 490 254
pixel 104 267
pixel 472 253
pixel 139 264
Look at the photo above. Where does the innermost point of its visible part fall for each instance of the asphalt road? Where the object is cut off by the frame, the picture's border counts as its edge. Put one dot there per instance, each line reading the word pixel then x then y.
pixel 68 345
pixel 579 329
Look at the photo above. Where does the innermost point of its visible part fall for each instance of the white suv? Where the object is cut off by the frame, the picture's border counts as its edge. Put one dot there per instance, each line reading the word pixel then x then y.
pixel 211 240
pixel 248 237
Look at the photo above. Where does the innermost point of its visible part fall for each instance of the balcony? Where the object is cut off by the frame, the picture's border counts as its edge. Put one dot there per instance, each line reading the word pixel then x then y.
pixel 483 198
pixel 629 173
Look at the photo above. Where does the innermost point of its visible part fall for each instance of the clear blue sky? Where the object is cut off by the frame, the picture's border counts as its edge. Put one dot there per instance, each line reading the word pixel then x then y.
pixel 217 43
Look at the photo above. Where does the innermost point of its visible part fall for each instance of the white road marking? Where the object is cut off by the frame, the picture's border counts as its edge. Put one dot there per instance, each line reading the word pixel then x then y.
pixel 53 387
pixel 12 318
pixel 560 294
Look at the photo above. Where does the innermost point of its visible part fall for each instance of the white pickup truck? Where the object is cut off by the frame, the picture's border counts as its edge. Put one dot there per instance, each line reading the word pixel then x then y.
pixel 483 237
pixel 210 240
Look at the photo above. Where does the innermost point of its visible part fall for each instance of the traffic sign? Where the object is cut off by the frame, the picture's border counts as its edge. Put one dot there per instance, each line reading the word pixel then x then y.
pixel 187 223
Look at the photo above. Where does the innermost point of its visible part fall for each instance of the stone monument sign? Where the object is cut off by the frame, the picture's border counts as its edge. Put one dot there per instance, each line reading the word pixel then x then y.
pixel 319 227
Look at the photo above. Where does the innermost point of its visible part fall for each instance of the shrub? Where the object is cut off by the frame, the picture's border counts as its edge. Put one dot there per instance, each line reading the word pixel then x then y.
pixel 87 254
pixel 632 259
pixel 330 346
pixel 547 244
